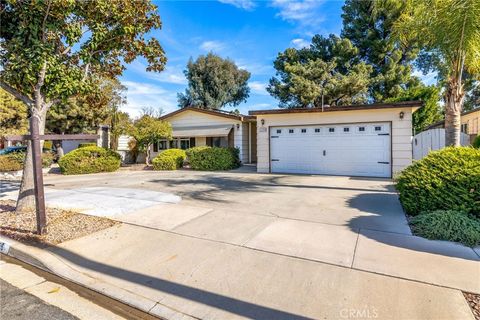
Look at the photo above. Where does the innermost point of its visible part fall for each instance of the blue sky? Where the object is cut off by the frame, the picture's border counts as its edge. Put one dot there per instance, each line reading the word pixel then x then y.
pixel 250 33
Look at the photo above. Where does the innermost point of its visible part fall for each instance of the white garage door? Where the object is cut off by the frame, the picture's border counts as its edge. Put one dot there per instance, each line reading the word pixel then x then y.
pixel 360 149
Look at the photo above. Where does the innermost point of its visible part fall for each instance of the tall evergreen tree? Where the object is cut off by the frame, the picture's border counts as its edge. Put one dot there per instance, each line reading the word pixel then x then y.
pixel 368 25
pixel 213 83
pixel 327 72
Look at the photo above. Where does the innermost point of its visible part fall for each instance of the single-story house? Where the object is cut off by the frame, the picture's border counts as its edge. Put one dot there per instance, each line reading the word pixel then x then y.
pixel 469 123
pixel 199 127
pixel 362 140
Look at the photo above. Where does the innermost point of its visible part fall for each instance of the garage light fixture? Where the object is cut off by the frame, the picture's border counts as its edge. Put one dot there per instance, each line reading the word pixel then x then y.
pixel 402 114
pixel 238 126
pixel 262 121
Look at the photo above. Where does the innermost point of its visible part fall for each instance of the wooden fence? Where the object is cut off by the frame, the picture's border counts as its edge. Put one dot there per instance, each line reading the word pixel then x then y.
pixel 433 139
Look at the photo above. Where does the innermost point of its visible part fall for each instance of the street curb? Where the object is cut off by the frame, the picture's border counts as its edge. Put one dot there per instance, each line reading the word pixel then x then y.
pixel 48 261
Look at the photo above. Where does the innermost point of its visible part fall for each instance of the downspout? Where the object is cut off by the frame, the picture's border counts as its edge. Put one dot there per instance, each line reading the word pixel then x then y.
pixel 249 142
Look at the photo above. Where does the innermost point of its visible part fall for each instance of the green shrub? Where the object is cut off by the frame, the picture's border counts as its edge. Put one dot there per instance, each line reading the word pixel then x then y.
pixel 171 159
pixel 9 163
pixel 208 158
pixel 476 142
pixel 89 160
pixel 87 144
pixel 14 161
pixel 448 225
pixel 448 179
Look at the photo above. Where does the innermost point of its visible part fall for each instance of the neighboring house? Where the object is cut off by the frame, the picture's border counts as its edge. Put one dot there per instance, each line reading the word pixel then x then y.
pixel 368 140
pixel 469 122
pixel 193 127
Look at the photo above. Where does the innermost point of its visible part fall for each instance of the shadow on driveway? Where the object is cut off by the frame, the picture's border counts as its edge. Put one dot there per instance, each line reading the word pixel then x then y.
pixel 228 304
pixel 386 210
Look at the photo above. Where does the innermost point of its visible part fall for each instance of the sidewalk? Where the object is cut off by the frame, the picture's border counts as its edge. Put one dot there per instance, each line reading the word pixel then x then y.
pixel 180 277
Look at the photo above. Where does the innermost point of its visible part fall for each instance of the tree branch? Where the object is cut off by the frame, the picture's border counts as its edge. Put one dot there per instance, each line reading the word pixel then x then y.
pixel 25 99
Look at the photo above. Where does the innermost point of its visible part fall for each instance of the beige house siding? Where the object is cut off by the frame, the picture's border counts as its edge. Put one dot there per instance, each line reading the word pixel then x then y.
pixel 192 118
pixel 472 120
pixel 401 130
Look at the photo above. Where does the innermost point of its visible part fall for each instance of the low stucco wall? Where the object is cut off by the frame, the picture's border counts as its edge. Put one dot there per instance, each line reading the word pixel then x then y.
pixel 401 130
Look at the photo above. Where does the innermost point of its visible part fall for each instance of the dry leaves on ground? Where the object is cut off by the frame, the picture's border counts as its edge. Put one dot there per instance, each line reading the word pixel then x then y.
pixel 62 225
pixel 474 302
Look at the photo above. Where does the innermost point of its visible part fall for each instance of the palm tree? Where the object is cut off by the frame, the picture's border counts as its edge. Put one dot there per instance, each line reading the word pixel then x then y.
pixel 448 32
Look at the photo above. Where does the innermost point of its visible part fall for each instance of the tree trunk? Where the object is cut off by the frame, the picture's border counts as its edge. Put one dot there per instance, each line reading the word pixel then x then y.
pixel 147 157
pixel 26 196
pixel 454 97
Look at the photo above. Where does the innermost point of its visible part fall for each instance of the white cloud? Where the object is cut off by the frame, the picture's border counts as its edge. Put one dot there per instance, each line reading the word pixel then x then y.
pixel 300 43
pixel 258 87
pixel 428 79
pixel 303 12
pixel 242 4
pixel 171 74
pixel 140 94
pixel 212 45
pixel 261 106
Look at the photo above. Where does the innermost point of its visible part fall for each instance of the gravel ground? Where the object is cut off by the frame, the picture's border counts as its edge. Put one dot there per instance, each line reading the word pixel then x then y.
pixel 62 225
pixel 474 302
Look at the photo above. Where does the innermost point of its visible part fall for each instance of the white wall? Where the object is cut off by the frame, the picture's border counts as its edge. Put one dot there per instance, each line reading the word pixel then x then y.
pixel 401 130
pixel 433 139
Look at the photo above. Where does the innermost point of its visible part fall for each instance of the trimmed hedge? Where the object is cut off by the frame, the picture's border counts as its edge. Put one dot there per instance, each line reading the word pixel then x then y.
pixel 9 163
pixel 448 179
pixel 476 142
pixel 89 160
pixel 87 144
pixel 213 158
pixel 171 159
pixel 447 225
pixel 14 161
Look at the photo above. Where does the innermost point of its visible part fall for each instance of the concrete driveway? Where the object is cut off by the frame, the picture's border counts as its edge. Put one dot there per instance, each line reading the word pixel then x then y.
pixel 345 223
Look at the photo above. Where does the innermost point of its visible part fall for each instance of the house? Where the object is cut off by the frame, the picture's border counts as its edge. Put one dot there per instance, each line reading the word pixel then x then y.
pixel 363 140
pixel 469 123
pixel 193 127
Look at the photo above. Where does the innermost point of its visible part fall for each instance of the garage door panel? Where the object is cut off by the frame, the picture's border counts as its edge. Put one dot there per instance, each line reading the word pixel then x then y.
pixel 361 150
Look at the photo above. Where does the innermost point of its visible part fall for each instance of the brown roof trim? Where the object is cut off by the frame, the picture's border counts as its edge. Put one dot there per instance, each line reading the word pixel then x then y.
pixel 470 111
pixel 412 104
pixel 210 112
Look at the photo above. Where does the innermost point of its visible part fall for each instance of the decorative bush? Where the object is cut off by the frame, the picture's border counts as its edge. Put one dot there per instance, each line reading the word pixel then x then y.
pixel 208 158
pixel 9 163
pixel 447 179
pixel 87 144
pixel 171 159
pixel 14 161
pixel 448 225
pixel 476 142
pixel 89 160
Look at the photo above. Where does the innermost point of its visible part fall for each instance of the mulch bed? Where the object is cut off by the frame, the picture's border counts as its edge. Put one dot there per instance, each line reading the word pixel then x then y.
pixel 474 302
pixel 62 225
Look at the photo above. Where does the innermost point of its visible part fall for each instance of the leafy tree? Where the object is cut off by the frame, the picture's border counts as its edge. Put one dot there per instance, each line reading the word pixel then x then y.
pixel 148 130
pixel 328 71
pixel 449 33
pixel 13 115
pixel 120 123
pixel 152 112
pixel 472 98
pixel 213 83
pixel 53 50
pixel 431 111
pixel 368 24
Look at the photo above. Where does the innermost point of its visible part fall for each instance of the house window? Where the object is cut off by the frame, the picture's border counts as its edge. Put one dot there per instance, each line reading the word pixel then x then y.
pixel 331 129
pixel 304 130
pixel 346 129
pixel 279 130
pixel 464 128
pixel 185 144
pixel 162 145
pixel 174 144
pixel 361 129
pixel 378 128
pixel 290 130
pixel 317 130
